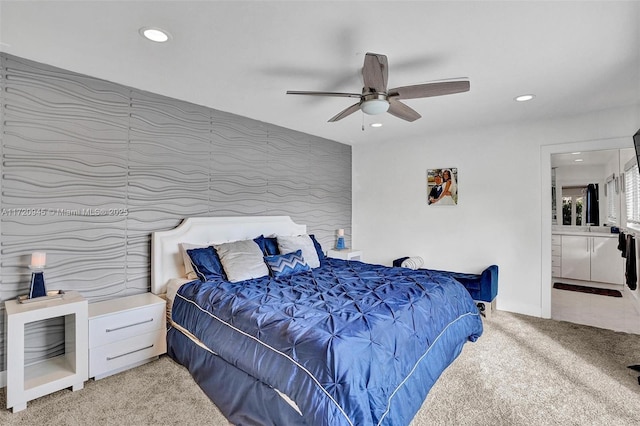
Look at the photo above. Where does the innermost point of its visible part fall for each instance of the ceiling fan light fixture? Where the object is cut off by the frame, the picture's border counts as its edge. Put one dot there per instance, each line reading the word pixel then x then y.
pixel 375 106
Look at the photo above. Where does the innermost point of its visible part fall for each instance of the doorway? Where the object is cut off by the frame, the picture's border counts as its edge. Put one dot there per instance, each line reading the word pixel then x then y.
pixel 587 186
pixel 546 153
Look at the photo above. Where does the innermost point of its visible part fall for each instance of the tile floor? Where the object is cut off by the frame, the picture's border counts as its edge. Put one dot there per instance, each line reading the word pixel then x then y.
pixel 613 313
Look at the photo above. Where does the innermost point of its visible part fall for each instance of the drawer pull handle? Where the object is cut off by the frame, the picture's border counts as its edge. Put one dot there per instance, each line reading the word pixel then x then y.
pixel 109 358
pixel 109 330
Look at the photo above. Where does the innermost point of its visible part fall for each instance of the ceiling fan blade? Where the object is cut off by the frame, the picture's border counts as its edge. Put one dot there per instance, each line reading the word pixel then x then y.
pixel 345 112
pixel 338 94
pixel 401 110
pixel 429 89
pixel 375 72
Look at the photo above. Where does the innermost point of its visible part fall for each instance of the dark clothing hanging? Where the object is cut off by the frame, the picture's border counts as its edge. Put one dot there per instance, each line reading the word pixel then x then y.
pixel 593 207
pixel 622 244
pixel 631 273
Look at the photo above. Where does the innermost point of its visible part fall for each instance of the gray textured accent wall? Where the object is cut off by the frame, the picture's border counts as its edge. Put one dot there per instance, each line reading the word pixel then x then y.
pixel 91 168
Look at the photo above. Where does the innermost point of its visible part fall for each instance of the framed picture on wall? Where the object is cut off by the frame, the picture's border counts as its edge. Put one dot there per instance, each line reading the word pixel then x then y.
pixel 442 186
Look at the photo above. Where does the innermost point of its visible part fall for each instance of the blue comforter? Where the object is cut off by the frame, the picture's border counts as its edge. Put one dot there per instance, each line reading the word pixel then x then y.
pixel 350 343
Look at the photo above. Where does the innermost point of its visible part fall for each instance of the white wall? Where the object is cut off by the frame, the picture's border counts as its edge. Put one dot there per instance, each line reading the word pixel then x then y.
pixel 499 218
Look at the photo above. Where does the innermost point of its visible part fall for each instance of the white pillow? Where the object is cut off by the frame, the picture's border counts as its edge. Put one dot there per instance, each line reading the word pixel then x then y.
pixel 242 260
pixel 300 242
pixel 188 266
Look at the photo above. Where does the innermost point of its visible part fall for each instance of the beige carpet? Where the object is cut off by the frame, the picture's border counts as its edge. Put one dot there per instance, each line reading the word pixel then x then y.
pixel 522 371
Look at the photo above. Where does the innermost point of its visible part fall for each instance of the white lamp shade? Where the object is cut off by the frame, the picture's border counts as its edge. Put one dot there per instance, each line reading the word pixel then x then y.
pixel 374 106
pixel 38 259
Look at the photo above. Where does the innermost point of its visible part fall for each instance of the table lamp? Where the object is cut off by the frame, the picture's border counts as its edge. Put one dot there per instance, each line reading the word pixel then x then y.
pixel 340 241
pixel 37 288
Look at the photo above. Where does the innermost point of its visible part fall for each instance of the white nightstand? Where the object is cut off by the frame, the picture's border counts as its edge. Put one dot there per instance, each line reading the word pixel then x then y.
pixel 345 254
pixel 125 332
pixel 27 382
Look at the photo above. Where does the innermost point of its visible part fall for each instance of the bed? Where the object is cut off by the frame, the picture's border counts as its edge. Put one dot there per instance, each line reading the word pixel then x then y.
pixel 341 343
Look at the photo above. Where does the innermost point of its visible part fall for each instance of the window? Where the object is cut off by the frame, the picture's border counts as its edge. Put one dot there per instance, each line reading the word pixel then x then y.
pixel 572 202
pixel 610 193
pixel 632 191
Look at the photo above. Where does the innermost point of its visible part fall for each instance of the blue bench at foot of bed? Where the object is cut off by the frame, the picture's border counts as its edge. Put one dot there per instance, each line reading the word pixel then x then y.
pixel 482 287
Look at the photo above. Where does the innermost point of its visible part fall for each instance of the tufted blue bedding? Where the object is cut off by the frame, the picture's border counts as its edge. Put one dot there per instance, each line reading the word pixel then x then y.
pixel 349 343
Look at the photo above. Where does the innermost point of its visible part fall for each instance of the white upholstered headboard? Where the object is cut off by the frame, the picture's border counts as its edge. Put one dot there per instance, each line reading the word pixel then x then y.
pixel 166 260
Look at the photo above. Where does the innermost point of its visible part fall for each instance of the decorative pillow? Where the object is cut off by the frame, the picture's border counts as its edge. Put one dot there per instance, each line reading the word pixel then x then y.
pixel 268 245
pixel 318 247
pixel 205 263
pixel 271 246
pixel 188 267
pixel 242 260
pixel 287 264
pixel 260 242
pixel 289 244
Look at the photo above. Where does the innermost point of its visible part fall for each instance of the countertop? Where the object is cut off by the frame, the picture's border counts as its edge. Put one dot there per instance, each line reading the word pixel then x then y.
pixel 580 233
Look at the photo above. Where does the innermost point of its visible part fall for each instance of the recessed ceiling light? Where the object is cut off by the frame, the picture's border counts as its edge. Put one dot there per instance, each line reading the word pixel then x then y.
pixel 578 160
pixel 376 124
pixel 524 98
pixel 155 34
pixel 576 153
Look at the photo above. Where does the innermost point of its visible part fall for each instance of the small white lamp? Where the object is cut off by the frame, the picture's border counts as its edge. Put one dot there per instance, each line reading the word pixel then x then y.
pixel 340 241
pixel 37 288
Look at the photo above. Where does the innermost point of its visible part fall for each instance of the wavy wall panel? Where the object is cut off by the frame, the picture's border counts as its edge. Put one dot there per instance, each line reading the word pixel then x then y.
pixel 237 185
pixel 91 168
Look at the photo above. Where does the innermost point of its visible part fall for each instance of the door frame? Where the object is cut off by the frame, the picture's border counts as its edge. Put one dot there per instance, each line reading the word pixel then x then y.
pixel 545 173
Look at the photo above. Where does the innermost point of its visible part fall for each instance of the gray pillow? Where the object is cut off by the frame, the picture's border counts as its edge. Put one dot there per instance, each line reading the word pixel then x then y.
pixel 300 242
pixel 242 260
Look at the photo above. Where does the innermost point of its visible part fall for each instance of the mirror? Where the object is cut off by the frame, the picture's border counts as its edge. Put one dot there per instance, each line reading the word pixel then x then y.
pixel 580 205
pixel 586 187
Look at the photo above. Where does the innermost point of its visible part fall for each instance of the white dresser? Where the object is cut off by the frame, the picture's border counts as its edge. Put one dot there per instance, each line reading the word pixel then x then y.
pixel 125 332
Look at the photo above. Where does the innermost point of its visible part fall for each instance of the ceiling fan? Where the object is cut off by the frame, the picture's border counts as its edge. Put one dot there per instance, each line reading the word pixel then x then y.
pixel 377 99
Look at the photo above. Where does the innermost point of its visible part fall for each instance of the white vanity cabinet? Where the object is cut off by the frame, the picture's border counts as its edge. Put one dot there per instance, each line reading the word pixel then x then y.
pixel 607 263
pixel 576 257
pixel 592 258
pixel 556 255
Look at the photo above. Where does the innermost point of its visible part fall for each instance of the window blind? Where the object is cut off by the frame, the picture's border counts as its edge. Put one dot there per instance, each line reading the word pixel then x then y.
pixel 632 191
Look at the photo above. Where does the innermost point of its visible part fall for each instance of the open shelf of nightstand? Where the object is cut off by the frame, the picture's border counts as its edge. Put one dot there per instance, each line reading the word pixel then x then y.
pixel 47 371
pixel 27 382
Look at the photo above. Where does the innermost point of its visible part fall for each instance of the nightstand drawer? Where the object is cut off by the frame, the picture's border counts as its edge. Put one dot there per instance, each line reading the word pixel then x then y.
pixel 117 355
pixel 123 325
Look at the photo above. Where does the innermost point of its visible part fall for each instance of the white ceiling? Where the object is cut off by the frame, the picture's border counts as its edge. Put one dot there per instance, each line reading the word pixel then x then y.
pixel 585 158
pixel 575 56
